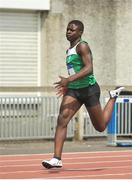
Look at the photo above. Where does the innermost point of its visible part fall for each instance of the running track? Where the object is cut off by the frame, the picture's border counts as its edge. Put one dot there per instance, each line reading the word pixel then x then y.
pixel 81 165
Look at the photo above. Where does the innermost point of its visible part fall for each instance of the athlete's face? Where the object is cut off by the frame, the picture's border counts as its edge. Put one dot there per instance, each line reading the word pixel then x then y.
pixel 73 32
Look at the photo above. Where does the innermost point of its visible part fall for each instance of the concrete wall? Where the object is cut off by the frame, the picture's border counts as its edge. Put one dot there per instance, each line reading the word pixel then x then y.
pixel 124 42
pixel 108 25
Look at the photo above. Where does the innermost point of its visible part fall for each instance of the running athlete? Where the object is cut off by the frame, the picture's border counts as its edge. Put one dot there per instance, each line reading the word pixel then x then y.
pixel 79 88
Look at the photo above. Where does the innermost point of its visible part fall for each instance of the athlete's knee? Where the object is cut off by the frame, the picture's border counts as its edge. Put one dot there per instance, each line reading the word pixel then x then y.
pixel 63 120
pixel 100 128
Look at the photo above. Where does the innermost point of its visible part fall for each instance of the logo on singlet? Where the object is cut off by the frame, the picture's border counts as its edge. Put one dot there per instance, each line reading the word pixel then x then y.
pixel 70 69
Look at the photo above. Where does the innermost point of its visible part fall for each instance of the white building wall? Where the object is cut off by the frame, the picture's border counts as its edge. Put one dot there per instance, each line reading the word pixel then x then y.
pixel 108 37
pixel 108 26
pixel 124 43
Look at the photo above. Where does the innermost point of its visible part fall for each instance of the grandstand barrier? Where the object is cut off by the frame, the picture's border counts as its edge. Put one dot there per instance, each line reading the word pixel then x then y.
pixel 121 123
pixel 30 118
pixel 35 117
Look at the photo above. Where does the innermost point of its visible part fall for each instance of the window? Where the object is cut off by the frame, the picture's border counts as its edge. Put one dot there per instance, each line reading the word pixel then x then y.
pixel 19 48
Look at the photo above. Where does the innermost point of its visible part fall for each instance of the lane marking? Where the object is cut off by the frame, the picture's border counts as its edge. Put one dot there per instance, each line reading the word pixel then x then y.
pixel 68 158
pixel 99 152
pixel 91 162
pixel 67 169
pixel 67 153
pixel 94 175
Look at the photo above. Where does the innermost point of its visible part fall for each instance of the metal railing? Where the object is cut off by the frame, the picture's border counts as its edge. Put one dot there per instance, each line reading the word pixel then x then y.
pixel 29 117
pixel 36 117
pixel 124 116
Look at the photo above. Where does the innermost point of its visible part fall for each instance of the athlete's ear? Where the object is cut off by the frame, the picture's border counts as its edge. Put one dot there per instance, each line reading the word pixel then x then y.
pixel 81 32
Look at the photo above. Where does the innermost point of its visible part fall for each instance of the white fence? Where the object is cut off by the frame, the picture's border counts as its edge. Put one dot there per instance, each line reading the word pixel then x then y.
pixel 36 117
pixel 124 116
pixel 29 117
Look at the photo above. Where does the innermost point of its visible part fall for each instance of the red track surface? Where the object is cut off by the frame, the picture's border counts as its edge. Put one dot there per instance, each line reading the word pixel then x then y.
pixel 88 165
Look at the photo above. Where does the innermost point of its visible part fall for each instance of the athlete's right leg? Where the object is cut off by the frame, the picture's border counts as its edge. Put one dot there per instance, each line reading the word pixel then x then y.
pixel 68 108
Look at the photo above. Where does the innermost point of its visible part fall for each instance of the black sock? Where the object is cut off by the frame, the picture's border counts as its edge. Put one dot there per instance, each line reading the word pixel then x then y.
pixel 57 158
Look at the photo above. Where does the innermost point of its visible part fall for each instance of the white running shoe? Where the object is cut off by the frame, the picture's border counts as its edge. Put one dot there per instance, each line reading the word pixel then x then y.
pixel 53 163
pixel 116 92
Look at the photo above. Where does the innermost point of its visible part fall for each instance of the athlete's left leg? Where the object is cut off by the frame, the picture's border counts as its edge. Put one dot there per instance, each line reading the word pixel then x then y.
pixel 99 117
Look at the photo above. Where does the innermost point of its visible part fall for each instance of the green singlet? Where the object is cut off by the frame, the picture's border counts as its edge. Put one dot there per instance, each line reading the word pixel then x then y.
pixel 74 65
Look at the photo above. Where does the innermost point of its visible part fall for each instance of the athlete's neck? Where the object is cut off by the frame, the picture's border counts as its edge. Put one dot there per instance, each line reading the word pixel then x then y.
pixel 73 43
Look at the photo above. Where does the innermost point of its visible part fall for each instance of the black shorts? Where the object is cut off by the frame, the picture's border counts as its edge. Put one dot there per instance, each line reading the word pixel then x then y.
pixel 88 96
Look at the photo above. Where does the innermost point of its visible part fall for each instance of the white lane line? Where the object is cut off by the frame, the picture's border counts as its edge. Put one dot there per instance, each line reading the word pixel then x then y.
pixel 65 153
pixel 94 175
pixel 68 169
pixel 68 158
pixel 91 162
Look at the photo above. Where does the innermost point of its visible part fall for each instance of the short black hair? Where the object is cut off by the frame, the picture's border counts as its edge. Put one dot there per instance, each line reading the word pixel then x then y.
pixel 78 23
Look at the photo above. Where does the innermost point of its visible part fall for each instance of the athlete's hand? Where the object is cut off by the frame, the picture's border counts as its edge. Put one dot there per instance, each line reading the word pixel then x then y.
pixel 61 91
pixel 62 83
pixel 61 86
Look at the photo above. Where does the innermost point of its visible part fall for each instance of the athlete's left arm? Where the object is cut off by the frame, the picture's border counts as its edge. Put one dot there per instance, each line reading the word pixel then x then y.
pixel 84 51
